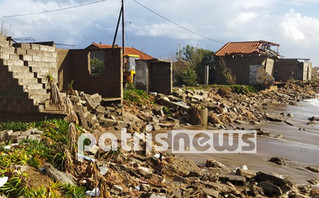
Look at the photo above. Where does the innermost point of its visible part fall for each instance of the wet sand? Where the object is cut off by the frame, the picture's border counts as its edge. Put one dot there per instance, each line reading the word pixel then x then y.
pixel 299 146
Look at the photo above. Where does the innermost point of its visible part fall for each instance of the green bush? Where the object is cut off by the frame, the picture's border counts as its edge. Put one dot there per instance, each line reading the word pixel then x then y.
pixel 134 95
pixel 187 77
pixel 17 126
pixel 243 89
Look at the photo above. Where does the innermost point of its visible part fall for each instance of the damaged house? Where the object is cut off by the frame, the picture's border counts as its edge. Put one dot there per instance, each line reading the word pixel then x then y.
pixel 146 72
pixel 258 62
pixel 24 67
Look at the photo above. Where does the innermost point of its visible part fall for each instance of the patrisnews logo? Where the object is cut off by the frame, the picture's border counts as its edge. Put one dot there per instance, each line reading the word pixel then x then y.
pixel 214 141
pixel 178 141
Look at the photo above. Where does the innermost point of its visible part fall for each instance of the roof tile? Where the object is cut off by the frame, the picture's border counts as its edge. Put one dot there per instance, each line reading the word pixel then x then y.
pixel 248 47
pixel 128 50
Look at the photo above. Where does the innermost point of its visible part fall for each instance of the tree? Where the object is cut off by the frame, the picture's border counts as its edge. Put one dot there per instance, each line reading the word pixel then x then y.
pixel 4 29
pixel 197 59
pixel 97 66
pixel 186 77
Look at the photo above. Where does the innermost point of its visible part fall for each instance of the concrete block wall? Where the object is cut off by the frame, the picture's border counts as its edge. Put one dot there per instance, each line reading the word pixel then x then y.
pixel 286 69
pixel 141 76
pixel 23 71
pixel 12 96
pixel 42 59
pixel 307 71
pixel 240 67
pixel 109 83
pixel 160 77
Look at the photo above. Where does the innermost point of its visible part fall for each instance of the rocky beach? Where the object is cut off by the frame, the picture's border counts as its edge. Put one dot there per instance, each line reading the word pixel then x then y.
pixel 285 165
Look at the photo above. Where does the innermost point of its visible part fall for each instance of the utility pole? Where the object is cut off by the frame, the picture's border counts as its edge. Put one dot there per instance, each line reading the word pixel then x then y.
pixel 123 32
pixel 117 28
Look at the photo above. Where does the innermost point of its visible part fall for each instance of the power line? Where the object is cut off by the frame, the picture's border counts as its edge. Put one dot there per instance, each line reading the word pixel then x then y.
pixel 55 10
pixel 167 19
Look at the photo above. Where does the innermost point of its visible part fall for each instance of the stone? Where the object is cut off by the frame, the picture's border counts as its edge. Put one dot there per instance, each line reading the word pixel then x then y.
pixel 4 135
pixel 91 104
pixel 34 137
pixel 274 118
pixel 144 171
pixel 96 98
pixel 100 109
pixel 313 181
pixel 178 178
pixel 59 176
pixel 118 188
pixel 21 138
pixel 35 131
pixel 214 164
pixel 26 133
pixel 312 169
pixel 94 150
pixel 270 189
pixel 75 99
pixel 210 192
pixel 174 105
pixel 91 118
pixel 279 136
pixel 105 122
pixel 234 179
pixel 313 118
pixel 130 117
pixel 278 181
pixel 313 123
pixel 278 160
pixel 159 111
pixel 245 173
pixel 110 108
pixel 145 187
pixel 154 195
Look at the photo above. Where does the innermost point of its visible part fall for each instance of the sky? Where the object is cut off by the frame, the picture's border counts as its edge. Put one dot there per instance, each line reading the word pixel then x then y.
pixel 294 24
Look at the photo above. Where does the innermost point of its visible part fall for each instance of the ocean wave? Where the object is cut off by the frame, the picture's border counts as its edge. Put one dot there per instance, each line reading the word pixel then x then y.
pixel 313 102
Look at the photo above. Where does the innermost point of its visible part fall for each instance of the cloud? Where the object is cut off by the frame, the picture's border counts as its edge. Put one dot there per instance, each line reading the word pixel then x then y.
pixel 303 2
pixel 224 21
pixel 299 28
pixel 243 18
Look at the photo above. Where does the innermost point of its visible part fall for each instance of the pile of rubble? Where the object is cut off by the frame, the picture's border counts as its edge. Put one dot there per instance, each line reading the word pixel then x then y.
pixel 155 174
pixel 226 109
pixel 18 136
pixel 159 174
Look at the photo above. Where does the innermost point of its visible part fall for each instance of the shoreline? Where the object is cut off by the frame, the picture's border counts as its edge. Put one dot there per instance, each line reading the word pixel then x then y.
pixel 161 174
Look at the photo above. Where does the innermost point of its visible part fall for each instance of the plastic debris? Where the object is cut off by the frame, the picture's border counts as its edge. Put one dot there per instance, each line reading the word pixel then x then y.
pixel 157 155
pixel 3 181
pixel 80 156
pixel 93 193
pixel 149 127
pixel 103 169
pixel 245 167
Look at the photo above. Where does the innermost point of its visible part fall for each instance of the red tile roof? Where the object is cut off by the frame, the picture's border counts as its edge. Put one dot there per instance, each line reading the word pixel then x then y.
pixel 248 47
pixel 128 51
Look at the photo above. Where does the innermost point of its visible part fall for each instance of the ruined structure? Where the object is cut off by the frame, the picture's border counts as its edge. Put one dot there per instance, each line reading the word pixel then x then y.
pixel 23 71
pixel 256 62
pixel 148 73
pixel 24 68
pixel 105 79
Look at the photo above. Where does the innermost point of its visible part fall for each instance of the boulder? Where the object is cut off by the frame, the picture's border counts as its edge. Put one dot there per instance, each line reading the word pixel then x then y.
pixel 313 169
pixel 59 176
pixel 278 160
pixel 214 164
pixel 270 189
